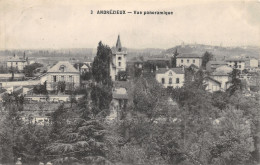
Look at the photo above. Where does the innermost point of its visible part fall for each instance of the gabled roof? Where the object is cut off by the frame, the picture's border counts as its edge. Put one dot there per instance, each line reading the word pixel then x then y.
pixel 84 66
pixel 67 68
pixel 164 70
pixel 190 55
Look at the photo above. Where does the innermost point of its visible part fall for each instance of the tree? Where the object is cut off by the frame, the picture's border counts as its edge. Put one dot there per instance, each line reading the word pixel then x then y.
pixel 174 58
pixel 29 70
pixel 206 58
pixel 236 83
pixel 61 86
pixel 78 137
pixel 122 76
pixel 101 64
pixel 10 126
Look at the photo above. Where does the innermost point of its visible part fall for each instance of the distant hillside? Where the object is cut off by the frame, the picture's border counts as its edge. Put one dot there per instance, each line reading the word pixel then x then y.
pixel 217 51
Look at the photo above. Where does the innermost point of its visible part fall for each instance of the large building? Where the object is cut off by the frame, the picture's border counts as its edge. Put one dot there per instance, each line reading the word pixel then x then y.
pixel 118 61
pixel 63 71
pixel 170 77
pixel 242 63
pixel 17 63
pixel 187 60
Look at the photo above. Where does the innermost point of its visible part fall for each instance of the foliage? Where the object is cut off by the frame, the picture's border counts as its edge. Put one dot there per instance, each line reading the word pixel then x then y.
pixel 236 83
pixel 174 59
pixel 101 64
pixel 40 89
pixel 122 76
pixel 61 86
pixel 29 70
pixel 10 127
pixel 206 58
pixel 101 97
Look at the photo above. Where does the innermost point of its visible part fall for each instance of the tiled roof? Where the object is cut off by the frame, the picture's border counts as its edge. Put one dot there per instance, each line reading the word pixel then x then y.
pixel 176 70
pixel 191 55
pixel 67 67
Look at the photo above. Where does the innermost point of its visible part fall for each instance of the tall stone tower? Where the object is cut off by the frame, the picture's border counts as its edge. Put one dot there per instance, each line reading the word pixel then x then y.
pixel 118 61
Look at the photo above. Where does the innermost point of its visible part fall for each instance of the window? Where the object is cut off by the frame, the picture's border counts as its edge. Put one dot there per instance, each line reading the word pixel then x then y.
pixel 62 68
pixel 119 58
pixel 70 79
pixel 163 80
pixel 62 78
pixel 16 63
pixel 181 61
pixel 193 61
pixel 239 66
pixel 170 80
pixel 188 61
pixel 170 73
pixel 177 80
pixel 54 78
pixel 119 63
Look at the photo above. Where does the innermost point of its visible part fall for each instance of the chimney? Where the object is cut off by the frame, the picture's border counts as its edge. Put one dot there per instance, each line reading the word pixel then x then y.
pixel 183 69
pixel 156 67
pixel 167 67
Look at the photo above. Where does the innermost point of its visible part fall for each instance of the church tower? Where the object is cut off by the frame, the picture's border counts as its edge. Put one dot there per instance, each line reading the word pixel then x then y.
pixel 118 61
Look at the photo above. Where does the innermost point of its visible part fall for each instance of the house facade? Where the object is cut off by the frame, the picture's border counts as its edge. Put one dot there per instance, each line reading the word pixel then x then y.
pixel 242 63
pixel 63 71
pixel 170 77
pixel 212 85
pixel 118 61
pixel 220 77
pixel 187 60
pixel 16 62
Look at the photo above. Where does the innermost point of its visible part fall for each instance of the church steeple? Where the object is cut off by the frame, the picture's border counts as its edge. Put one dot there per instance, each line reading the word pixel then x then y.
pixel 118 44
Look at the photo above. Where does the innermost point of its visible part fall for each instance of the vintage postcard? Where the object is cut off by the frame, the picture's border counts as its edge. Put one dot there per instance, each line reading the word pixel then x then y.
pixel 117 82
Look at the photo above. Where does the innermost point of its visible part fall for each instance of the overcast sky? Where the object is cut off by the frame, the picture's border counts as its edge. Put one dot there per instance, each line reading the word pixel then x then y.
pixel 68 24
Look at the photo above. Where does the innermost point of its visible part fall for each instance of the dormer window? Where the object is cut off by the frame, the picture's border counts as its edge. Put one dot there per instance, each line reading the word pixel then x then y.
pixel 170 73
pixel 62 68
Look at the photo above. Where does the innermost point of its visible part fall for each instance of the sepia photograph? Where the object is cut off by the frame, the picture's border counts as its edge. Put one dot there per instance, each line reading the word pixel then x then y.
pixel 141 82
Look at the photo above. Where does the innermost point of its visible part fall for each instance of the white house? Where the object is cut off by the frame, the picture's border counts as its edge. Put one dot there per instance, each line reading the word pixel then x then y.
pixel 212 85
pixel 242 63
pixel 16 62
pixel 118 61
pixel 84 69
pixel 187 59
pixel 63 71
pixel 221 75
pixel 170 77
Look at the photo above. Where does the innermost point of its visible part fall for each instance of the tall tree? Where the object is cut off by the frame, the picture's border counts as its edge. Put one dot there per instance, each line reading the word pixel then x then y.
pixel 174 58
pixel 101 64
pixel 236 83
pixel 206 58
